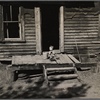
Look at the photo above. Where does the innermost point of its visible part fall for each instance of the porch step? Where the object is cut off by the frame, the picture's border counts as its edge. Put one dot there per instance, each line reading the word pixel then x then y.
pixel 61 69
pixel 62 77
pixel 85 68
pixel 88 64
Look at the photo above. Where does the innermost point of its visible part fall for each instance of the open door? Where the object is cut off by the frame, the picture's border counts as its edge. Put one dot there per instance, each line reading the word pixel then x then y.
pixel 49 23
pixel 49 26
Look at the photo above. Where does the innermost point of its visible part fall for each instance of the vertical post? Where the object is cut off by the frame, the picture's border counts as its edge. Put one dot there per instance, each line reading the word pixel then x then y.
pixel 45 75
pixel 21 18
pixel 99 27
pixel 1 24
pixel 61 29
pixel 38 30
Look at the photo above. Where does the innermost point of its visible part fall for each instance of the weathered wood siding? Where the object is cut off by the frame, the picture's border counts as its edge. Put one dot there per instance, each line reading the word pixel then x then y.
pixel 81 30
pixel 8 49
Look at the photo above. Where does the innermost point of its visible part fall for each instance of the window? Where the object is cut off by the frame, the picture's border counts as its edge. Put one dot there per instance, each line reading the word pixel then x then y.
pixel 12 22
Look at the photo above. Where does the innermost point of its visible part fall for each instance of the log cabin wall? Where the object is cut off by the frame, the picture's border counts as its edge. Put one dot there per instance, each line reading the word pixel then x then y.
pixel 26 47
pixel 81 31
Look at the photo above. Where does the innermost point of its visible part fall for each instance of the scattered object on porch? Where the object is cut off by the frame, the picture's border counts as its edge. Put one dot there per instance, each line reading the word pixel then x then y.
pixel 51 54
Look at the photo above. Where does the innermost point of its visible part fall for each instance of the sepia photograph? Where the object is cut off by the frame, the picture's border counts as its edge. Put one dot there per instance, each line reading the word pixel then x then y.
pixel 49 49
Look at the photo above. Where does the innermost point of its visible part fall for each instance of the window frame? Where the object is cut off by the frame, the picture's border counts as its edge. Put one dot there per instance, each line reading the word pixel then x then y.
pixel 21 26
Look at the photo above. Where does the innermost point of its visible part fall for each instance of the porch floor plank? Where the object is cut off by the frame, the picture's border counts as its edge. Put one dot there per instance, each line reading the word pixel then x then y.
pixel 39 59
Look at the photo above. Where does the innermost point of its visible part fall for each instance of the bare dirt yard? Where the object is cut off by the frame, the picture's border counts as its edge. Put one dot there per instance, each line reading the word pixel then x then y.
pixel 28 86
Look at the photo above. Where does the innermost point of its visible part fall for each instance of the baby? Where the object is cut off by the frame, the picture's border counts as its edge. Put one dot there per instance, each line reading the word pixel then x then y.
pixel 51 53
pixel 51 50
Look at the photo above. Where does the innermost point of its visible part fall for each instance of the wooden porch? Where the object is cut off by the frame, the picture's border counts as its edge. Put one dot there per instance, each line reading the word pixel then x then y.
pixel 62 66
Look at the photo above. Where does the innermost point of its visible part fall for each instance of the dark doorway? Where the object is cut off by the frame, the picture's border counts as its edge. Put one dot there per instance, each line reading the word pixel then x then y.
pixel 50 26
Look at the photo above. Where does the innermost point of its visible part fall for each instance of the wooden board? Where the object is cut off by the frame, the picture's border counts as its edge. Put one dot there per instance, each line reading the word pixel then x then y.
pixel 39 59
pixel 74 59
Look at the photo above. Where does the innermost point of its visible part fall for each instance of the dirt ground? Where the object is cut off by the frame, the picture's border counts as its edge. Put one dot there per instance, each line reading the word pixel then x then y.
pixel 28 86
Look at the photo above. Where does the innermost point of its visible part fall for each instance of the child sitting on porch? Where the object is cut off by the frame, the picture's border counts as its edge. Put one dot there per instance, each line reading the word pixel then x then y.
pixel 51 54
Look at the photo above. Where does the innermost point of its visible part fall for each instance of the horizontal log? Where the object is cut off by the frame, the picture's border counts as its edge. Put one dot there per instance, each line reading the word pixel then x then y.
pixel 83 42
pixel 29 19
pixel 30 35
pixel 85 13
pixel 30 25
pixel 79 37
pixel 30 28
pixel 87 37
pixel 18 44
pixel 80 18
pixel 82 48
pixel 75 15
pixel 17 53
pixel 96 42
pixel 81 31
pixel 84 55
pixel 31 41
pixel 81 28
pixel 28 15
pixel 80 45
pixel 78 22
pixel 30 31
pixel 3 56
pixel 6 59
pixel 60 69
pixel 72 16
pixel 64 76
pixel 69 33
pixel 17 50
pixel 13 54
pixel 31 38
pixel 81 25
pixel 82 52
pixel 28 22
pixel 77 51
pixel 80 40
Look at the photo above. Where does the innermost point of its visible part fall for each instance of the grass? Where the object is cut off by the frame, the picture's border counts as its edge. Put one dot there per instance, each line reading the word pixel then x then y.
pixel 28 86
